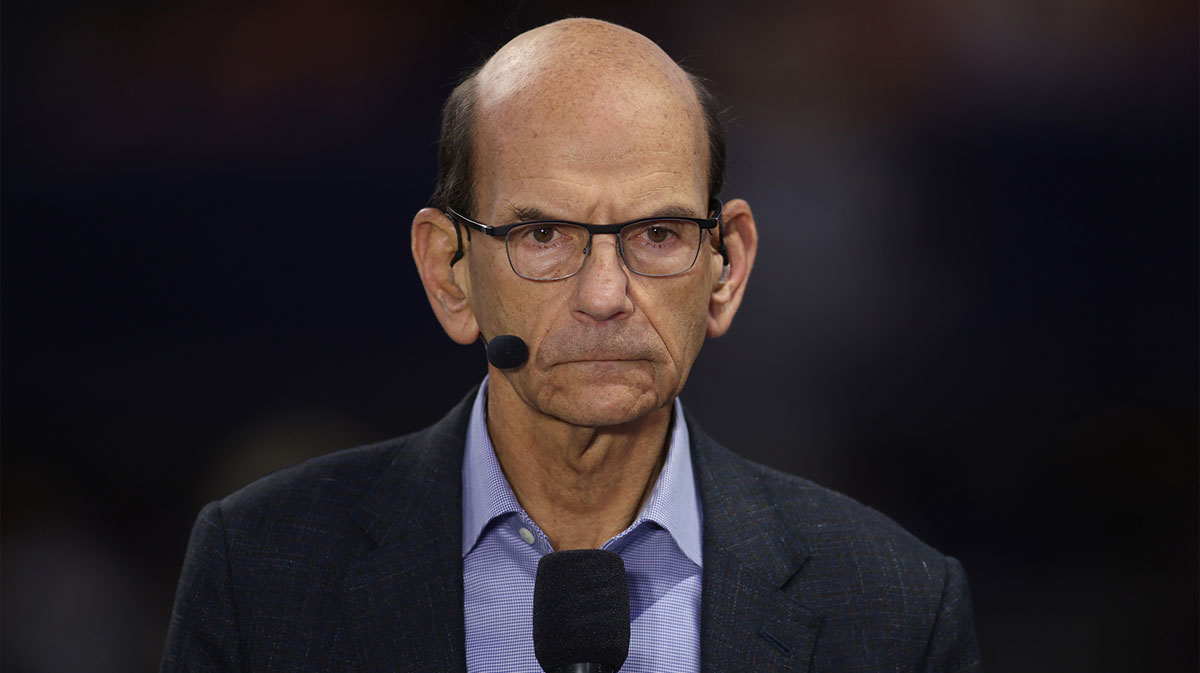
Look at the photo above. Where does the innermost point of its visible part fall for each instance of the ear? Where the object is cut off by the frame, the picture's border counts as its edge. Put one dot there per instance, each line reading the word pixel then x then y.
pixel 729 283
pixel 434 241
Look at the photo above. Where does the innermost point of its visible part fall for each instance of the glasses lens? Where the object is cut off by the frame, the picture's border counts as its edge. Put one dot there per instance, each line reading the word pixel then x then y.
pixel 661 247
pixel 547 251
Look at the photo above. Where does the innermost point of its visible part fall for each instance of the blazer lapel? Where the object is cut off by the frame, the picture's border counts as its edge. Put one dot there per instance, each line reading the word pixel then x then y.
pixel 404 599
pixel 748 621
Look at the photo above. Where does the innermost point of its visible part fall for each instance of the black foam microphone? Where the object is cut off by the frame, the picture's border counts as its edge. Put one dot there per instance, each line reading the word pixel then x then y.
pixel 581 612
pixel 506 351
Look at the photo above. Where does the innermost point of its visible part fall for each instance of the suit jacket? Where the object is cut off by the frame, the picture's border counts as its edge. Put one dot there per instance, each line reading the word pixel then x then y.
pixel 353 562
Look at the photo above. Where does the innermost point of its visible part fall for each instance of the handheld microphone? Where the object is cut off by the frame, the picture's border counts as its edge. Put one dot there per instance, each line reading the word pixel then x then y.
pixel 506 351
pixel 581 612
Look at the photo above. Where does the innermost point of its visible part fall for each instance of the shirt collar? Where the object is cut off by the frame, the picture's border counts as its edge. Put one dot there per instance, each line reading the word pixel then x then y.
pixel 672 504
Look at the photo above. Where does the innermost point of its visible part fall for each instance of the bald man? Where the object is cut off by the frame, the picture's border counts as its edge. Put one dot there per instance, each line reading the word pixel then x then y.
pixel 577 222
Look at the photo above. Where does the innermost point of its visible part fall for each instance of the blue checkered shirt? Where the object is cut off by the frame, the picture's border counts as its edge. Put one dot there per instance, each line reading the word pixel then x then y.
pixel 502 545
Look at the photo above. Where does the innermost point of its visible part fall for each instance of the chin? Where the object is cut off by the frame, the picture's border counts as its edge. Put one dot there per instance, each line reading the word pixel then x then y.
pixel 601 404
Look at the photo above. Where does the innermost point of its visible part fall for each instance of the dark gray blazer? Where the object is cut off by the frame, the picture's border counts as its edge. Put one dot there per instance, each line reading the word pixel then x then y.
pixel 353 562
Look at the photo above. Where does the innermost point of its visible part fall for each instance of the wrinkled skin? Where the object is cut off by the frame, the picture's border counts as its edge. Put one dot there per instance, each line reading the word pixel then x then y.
pixel 590 122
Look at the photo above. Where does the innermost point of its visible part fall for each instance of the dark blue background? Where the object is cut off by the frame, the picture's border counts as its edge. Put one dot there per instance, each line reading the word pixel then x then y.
pixel 975 307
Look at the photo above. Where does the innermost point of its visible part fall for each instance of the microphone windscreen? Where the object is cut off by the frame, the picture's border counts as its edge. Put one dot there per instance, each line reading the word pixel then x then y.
pixel 506 351
pixel 581 609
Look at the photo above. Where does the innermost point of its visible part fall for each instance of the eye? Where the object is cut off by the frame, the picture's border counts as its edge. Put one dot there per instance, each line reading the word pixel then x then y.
pixel 542 233
pixel 658 233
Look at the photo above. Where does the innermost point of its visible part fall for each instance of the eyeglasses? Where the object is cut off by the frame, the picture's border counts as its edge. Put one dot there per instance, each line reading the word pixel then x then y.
pixel 556 249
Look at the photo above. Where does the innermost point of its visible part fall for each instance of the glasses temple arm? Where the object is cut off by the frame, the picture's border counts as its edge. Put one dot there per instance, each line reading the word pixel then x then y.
pixel 458 252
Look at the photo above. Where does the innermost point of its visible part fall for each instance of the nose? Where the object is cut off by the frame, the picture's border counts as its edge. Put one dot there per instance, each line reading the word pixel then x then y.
pixel 602 285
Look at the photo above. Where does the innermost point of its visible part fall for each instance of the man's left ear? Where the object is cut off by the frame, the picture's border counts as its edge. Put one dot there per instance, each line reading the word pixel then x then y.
pixel 741 245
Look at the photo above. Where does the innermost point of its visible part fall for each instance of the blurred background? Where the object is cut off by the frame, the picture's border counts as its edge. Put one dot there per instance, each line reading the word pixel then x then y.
pixel 975 306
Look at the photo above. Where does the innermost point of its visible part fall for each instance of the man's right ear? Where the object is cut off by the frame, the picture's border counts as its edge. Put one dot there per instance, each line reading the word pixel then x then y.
pixel 434 243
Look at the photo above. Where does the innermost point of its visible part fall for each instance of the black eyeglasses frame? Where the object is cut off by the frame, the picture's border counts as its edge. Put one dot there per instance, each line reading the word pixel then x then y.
pixel 705 224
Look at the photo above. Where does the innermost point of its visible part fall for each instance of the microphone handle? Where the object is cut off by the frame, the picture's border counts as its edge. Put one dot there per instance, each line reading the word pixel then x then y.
pixel 584 668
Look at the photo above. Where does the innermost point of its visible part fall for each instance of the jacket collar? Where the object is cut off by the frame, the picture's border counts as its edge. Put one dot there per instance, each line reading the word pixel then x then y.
pixel 423 484
pixel 404 599
pixel 752 551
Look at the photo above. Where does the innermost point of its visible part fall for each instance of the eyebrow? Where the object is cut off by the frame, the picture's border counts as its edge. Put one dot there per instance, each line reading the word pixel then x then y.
pixel 532 214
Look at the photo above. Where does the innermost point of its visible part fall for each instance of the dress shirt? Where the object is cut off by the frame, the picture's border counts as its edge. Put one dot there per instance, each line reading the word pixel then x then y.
pixel 502 545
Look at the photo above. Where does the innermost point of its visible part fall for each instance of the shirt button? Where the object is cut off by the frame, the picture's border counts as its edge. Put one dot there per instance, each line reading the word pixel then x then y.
pixel 526 535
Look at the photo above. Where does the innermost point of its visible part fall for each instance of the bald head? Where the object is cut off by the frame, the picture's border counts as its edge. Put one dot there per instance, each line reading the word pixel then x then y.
pixel 595 75
pixel 580 60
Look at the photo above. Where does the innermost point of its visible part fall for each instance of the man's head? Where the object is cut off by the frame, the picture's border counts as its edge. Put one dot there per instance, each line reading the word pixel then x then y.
pixel 587 121
pixel 454 187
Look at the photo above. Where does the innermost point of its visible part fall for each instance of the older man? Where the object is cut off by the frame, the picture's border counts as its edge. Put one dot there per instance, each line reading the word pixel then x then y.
pixel 576 217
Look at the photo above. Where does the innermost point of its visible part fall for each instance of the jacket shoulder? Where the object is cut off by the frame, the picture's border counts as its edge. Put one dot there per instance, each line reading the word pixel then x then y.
pixel 848 556
pixel 268 567
pixel 819 519
pixel 884 600
pixel 829 520
pixel 325 486
pixel 321 495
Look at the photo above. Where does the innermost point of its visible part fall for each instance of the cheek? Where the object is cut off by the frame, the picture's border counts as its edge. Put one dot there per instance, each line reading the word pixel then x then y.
pixel 695 326
pixel 505 303
pixel 680 315
pixel 492 300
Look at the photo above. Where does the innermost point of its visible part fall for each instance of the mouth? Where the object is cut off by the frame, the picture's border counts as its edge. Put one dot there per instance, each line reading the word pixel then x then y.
pixel 593 349
pixel 605 360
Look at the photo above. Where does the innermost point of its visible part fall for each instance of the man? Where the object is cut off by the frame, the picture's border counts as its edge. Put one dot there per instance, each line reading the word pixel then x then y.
pixel 419 554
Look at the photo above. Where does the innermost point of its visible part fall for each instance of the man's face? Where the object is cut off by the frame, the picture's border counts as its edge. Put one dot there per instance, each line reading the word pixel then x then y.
pixel 607 346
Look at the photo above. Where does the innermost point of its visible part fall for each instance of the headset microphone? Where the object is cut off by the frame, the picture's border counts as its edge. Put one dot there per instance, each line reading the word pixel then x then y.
pixel 506 351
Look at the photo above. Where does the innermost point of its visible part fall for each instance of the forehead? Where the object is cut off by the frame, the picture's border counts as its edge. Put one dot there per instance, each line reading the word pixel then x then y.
pixel 570 129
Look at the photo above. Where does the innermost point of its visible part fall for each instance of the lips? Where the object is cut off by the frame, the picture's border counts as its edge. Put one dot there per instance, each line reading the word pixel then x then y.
pixel 602 361
pixel 591 347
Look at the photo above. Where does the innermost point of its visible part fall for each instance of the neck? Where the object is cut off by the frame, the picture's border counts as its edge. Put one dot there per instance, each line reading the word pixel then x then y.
pixel 582 485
